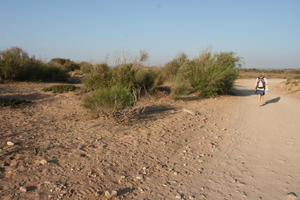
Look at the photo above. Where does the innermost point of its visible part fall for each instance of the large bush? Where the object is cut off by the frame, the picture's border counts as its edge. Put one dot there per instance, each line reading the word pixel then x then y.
pixel 211 74
pixel 109 99
pixel 11 61
pixel 99 77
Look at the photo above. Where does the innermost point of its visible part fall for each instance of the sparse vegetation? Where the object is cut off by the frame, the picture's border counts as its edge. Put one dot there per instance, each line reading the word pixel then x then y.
pixel 60 88
pixel 269 73
pixel 296 77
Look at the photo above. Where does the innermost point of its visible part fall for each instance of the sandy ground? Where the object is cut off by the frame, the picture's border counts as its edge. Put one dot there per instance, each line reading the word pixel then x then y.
pixel 232 150
pixel 59 152
pixel 261 160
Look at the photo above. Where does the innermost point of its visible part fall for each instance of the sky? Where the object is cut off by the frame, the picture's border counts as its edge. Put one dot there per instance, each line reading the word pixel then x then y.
pixel 265 33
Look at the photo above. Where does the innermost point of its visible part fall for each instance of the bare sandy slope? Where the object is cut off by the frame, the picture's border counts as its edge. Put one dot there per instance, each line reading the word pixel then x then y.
pixel 261 160
pixel 59 152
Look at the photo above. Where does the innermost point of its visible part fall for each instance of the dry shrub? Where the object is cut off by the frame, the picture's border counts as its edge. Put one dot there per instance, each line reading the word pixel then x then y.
pixel 108 100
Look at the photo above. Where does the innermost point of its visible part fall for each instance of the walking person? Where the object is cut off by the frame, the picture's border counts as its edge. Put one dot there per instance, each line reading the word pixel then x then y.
pixel 260 88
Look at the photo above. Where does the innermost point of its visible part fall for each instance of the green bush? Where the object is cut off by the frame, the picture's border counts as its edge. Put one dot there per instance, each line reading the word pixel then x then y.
pixel 100 77
pixel 109 99
pixel 11 61
pixel 211 74
pixel 146 80
pixel 35 70
pixel 123 75
pixel 181 86
pixel 171 68
pixel 60 88
pixel 119 87
pixel 65 64
pixel 296 77
pixel 141 80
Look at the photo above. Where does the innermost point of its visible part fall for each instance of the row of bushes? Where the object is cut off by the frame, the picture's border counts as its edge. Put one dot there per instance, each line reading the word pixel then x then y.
pixel 114 88
pixel 15 64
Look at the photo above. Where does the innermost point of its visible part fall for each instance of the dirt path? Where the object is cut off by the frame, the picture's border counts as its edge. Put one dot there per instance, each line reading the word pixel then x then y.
pixel 261 159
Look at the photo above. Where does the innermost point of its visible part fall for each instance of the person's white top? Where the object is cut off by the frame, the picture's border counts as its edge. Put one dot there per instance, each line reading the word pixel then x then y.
pixel 266 82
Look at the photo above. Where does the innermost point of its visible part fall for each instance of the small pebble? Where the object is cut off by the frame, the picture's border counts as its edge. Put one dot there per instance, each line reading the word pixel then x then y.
pixel 43 162
pixel 9 143
pixel 111 194
pixel 23 189
pixel 121 179
pixel 140 177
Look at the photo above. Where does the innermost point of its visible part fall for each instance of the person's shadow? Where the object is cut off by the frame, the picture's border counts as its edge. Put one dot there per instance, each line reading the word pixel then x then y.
pixel 275 100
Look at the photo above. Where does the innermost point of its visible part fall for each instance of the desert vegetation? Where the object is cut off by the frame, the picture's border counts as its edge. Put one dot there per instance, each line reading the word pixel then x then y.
pixel 292 84
pixel 113 88
pixel 64 142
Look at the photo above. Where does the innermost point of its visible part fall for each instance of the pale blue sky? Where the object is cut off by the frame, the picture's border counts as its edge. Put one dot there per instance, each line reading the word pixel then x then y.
pixel 264 32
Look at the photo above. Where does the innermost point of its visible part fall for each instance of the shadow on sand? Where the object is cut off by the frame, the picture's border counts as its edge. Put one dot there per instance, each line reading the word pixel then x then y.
pixel 154 112
pixel 242 92
pixel 28 97
pixel 275 100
